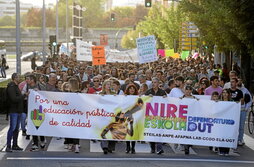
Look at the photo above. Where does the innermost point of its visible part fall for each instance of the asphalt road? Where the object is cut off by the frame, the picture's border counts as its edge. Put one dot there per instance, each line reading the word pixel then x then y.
pixel 55 156
pixel 25 67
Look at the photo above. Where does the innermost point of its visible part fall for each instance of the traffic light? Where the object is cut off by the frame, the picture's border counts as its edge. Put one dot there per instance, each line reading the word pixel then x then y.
pixel 50 48
pixel 52 40
pixel 52 44
pixel 148 3
pixel 112 17
pixel 58 48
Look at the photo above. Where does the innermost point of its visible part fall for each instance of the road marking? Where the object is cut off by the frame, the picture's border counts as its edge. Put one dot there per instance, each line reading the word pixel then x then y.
pixel 22 142
pixel 130 159
pixel 178 151
pixel 1 156
pixel 139 147
pixel 57 145
pixel 249 142
pixel 3 136
pixel 4 132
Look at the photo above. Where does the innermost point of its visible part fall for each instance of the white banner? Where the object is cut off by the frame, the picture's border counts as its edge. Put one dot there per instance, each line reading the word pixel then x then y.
pixel 147 49
pixel 158 119
pixel 122 56
pixel 84 50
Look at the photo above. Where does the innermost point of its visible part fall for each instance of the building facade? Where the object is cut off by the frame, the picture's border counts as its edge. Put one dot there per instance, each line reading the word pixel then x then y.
pixel 8 7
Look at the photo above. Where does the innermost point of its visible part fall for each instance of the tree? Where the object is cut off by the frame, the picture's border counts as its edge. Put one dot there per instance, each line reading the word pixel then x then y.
pixel 164 23
pixel 94 12
pixel 125 17
pixel 7 21
pixel 229 25
pixel 129 40
pixel 33 18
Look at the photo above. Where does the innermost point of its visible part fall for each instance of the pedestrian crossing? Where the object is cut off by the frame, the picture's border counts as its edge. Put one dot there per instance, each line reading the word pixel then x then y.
pixel 57 145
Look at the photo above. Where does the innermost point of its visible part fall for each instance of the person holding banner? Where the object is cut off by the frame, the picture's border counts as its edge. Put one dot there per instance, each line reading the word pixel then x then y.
pixel 156 91
pixel 73 143
pixel 237 96
pixel 96 86
pixel 143 89
pixel 188 94
pixel 131 90
pixel 116 87
pixel 107 146
pixel 178 92
pixel 214 86
pixel 225 96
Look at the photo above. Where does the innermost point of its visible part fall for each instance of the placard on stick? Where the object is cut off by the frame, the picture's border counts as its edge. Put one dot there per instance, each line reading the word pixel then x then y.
pixel 98 53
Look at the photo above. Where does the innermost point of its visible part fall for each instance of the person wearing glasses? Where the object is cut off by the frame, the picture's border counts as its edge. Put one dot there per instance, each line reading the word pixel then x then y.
pixel 96 88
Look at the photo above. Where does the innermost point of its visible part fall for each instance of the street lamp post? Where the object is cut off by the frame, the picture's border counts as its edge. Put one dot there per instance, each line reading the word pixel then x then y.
pixel 67 22
pixel 80 10
pixel 44 32
pixel 18 50
pixel 57 21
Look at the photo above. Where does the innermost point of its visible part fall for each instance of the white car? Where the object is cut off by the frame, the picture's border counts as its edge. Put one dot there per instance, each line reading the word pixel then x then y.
pixel 27 57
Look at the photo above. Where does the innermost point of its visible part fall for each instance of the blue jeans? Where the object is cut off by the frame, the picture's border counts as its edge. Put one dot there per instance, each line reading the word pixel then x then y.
pixel 3 72
pixel 13 131
pixel 241 126
pixel 23 121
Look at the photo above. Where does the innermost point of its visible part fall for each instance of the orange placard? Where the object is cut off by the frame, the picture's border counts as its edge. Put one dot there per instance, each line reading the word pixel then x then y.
pixel 98 53
pixel 104 39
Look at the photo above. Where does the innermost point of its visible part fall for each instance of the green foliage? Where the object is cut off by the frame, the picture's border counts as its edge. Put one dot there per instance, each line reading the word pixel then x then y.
pixel 4 84
pixel 164 23
pixel 93 17
pixel 93 13
pixel 8 21
pixel 125 16
pixel 129 40
pixel 226 23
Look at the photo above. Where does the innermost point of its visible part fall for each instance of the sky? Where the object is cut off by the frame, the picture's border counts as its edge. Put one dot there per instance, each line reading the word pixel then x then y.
pixel 39 2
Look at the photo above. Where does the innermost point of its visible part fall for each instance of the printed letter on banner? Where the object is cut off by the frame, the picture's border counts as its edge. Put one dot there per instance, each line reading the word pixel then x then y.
pixel 125 118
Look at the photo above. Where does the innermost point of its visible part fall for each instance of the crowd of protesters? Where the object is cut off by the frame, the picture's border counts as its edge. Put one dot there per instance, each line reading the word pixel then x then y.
pixel 173 77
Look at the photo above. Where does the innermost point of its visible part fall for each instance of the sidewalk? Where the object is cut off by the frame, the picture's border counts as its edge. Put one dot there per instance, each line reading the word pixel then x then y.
pixel 3 129
pixel 3 122
pixel 8 76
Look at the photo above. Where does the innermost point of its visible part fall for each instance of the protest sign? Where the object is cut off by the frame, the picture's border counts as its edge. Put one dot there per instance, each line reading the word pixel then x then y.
pixel 104 39
pixel 146 47
pixel 84 51
pixel 98 53
pixel 169 52
pixel 184 55
pixel 151 119
pixel 176 56
pixel 161 52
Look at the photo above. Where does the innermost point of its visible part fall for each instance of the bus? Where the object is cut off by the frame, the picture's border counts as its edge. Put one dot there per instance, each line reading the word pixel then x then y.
pixel 2 48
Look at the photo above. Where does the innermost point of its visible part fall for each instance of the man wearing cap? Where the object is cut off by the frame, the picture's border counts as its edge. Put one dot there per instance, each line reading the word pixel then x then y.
pixel 15 98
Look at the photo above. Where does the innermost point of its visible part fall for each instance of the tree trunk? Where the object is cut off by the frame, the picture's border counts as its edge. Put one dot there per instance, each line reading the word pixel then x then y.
pixel 246 66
